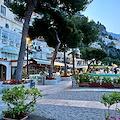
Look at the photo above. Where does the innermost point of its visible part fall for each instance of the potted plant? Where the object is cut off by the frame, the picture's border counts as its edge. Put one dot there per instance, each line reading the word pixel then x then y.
pixel 116 82
pixel 84 80
pixel 94 81
pixel 106 82
pixel 16 99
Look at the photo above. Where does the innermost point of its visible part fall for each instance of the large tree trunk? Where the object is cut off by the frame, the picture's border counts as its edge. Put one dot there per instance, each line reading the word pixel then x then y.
pixel 30 9
pixel 65 70
pixel 54 56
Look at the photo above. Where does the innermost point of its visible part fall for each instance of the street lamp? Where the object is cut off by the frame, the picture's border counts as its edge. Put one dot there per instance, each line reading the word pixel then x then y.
pixel 28 40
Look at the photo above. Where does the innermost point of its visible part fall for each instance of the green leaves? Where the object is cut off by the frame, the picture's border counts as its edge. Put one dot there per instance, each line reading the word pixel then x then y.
pixel 93 53
pixel 16 99
pixel 107 100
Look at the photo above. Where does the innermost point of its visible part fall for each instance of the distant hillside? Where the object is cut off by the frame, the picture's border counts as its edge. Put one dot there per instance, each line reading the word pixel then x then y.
pixel 108 41
pixel 114 35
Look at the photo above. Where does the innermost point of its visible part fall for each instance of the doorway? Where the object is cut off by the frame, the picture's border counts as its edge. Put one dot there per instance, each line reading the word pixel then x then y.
pixel 2 72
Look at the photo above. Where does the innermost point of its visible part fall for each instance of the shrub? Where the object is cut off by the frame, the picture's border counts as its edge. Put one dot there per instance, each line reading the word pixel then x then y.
pixel 84 78
pixel 106 80
pixel 16 98
pixel 116 80
pixel 94 79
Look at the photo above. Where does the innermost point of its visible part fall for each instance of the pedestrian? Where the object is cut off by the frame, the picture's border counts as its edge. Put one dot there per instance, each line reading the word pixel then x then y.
pixel 115 70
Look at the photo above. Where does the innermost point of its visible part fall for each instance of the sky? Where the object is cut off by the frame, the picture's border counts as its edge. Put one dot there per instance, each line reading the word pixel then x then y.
pixel 107 12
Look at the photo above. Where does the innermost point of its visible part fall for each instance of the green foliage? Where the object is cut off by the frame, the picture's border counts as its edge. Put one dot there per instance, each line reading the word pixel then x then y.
pixel 106 80
pixel 109 100
pixel 84 78
pixel 116 80
pixel 109 62
pixel 93 53
pixel 95 79
pixel 16 99
pixel 76 76
pixel 18 6
pixel 90 33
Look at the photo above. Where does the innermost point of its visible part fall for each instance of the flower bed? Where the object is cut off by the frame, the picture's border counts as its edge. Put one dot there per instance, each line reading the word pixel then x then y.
pixel 11 83
pixel 47 78
pixel 66 77
pixel 71 74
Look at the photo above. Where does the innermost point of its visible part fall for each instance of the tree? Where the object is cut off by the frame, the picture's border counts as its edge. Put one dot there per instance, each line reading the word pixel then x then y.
pixel 24 9
pixel 62 26
pixel 93 54
pixel 71 40
pixel 89 31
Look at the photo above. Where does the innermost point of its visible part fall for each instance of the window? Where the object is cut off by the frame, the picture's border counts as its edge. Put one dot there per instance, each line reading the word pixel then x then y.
pixel 5 34
pixel 3 10
pixel 38 47
pixel 7 26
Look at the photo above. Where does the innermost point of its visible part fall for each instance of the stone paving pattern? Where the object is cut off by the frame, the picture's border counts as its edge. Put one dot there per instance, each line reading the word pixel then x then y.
pixel 61 102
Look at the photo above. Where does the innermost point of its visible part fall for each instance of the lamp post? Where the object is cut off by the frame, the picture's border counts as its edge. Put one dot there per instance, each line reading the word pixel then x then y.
pixel 27 39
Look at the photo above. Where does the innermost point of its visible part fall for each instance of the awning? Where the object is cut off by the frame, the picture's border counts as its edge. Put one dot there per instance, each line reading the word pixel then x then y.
pixel 59 64
pixel 8 49
pixel 47 62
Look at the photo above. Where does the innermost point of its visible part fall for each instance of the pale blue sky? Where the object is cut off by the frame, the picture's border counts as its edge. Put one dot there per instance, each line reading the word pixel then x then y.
pixel 106 12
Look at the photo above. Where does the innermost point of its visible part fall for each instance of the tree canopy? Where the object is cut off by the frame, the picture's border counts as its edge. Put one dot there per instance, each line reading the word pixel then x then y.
pixel 90 32
pixel 93 53
pixel 24 9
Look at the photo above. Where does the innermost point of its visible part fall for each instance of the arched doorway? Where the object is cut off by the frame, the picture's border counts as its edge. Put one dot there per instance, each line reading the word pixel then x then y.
pixel 2 72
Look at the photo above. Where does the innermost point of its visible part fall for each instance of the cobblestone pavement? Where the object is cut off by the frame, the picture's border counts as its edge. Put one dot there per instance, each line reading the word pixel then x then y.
pixel 61 102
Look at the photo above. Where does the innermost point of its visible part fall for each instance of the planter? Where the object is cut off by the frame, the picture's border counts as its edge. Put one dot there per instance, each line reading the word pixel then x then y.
pixel 84 84
pixel 16 119
pixel 51 82
pixel 94 84
pixel 10 86
pixel 107 85
pixel 116 85
pixel 66 78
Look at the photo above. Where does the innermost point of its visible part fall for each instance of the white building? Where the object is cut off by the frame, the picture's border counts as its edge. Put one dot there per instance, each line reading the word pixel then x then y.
pixel 8 19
